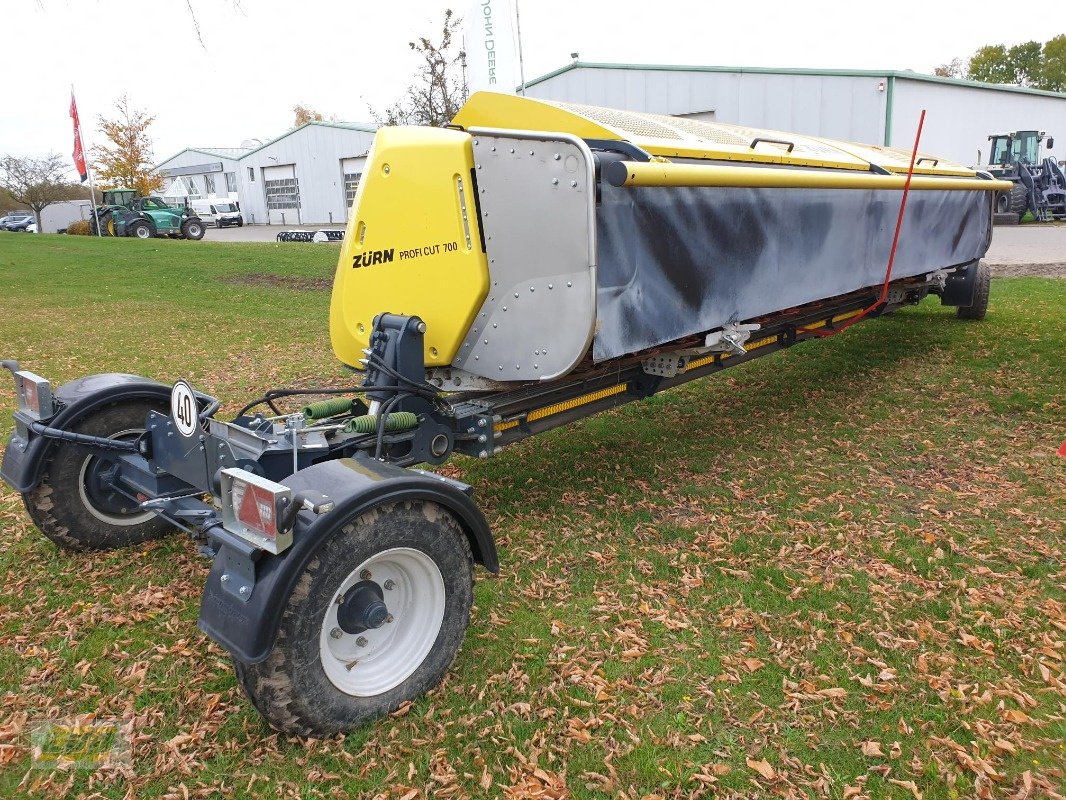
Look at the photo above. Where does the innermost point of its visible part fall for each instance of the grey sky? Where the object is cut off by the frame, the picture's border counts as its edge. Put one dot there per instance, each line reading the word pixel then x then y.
pixel 260 57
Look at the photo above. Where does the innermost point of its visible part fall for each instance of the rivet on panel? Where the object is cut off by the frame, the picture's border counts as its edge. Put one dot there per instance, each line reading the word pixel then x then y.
pixel 573 183
pixel 536 366
pixel 555 181
pixel 516 294
pixel 569 284
pixel 557 156
pixel 550 286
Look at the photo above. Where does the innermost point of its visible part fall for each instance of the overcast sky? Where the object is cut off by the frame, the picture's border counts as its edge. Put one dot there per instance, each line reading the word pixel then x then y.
pixel 260 57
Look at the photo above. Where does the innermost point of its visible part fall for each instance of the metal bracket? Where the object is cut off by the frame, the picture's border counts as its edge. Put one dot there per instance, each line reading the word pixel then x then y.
pixel 731 338
pixel 237 558
pixel 476 431
pixel 938 280
pixel 665 365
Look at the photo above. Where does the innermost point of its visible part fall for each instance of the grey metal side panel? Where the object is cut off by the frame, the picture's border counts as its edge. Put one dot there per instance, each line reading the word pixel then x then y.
pixel 674 262
pixel 537 202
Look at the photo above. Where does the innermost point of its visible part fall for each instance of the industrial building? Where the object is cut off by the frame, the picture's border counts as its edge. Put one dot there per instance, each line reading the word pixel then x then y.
pixel 870 106
pixel 306 176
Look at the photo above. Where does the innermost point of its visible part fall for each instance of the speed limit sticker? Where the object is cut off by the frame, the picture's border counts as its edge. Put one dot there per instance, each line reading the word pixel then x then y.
pixel 183 408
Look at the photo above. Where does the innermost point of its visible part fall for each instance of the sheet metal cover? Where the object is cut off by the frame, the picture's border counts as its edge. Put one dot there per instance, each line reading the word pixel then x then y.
pixel 674 262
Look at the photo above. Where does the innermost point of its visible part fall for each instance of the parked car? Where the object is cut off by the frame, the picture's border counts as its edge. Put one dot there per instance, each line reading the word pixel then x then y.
pixel 31 228
pixel 16 221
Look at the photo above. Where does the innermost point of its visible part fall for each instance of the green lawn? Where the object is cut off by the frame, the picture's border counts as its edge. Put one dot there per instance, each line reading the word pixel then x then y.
pixel 836 571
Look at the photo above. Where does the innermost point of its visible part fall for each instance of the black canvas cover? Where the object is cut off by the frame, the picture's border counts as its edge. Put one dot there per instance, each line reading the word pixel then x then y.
pixel 677 261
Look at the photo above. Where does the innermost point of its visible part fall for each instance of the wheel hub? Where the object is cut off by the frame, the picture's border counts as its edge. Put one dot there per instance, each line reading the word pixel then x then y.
pixel 363 608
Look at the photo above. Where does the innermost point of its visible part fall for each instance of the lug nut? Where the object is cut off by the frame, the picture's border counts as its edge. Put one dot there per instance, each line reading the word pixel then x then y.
pixel 336 633
pixel 389 618
pixel 365 574
pixel 390 584
pixel 361 641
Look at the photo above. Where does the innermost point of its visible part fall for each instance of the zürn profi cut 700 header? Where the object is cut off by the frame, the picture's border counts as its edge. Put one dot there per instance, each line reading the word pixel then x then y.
pixel 532 264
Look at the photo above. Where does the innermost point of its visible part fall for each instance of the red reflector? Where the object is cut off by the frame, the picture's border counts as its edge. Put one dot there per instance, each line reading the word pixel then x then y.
pixel 257 511
pixel 1062 450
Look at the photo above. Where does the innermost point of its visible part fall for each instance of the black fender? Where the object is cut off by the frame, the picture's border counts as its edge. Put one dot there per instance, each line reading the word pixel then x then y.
pixel 247 628
pixel 960 286
pixel 23 460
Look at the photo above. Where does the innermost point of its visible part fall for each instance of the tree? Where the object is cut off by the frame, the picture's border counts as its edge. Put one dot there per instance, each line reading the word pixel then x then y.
pixel 1053 73
pixel 1041 66
pixel 956 68
pixel 127 161
pixel 990 64
pixel 37 182
pixel 303 115
pixel 441 89
pixel 1025 59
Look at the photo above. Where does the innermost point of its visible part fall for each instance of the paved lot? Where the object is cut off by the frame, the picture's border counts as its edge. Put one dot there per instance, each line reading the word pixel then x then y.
pixel 1029 249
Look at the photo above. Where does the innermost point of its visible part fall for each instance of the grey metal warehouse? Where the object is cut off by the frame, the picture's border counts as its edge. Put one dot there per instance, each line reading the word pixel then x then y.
pixel 305 176
pixel 309 175
pixel 870 106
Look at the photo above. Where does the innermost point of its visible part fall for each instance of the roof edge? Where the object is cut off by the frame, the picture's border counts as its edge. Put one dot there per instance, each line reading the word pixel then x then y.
pixel 852 73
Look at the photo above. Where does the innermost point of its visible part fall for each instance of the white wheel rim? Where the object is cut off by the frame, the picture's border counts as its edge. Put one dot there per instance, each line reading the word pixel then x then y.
pixel 119 520
pixel 379 659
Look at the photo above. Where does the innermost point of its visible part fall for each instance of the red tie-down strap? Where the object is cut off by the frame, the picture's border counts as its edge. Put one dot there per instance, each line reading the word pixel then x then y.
pixel 824 332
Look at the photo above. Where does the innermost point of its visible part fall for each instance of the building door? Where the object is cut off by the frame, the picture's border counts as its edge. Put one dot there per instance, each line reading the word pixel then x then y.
pixel 352 170
pixel 282 192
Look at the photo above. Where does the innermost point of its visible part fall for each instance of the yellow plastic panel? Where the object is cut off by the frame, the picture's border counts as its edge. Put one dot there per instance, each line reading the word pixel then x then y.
pixel 410 247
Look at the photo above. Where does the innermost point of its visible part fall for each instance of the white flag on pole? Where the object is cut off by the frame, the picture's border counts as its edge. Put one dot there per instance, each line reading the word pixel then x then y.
pixel 490 50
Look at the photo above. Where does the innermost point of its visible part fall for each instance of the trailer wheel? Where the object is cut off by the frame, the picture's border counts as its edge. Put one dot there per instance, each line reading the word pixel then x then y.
pixel 375 620
pixel 979 307
pixel 73 504
pixel 193 229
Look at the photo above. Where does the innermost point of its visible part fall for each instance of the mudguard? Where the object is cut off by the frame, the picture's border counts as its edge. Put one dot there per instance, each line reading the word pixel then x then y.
pixel 960 287
pixel 247 628
pixel 21 468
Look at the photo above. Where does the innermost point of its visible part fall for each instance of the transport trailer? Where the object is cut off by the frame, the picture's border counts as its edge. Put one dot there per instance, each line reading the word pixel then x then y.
pixel 532 264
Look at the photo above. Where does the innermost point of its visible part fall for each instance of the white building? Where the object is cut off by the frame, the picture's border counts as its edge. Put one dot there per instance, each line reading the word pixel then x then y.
pixel 875 107
pixel 201 172
pixel 306 176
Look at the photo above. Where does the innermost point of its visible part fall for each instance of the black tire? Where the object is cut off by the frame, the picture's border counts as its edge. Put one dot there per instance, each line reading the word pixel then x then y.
pixel 1019 199
pixel 72 509
pixel 240 223
pixel 292 689
pixel 979 309
pixel 141 230
pixel 106 224
pixel 192 229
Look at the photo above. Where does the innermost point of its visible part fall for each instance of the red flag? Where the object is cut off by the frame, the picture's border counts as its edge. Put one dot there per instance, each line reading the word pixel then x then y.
pixel 79 155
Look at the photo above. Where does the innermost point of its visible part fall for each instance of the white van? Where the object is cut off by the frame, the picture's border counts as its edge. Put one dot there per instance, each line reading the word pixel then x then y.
pixel 221 212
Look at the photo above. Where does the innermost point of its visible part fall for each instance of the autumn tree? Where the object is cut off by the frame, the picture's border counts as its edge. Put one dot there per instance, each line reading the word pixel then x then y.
pixel 956 68
pixel 303 115
pixel 37 182
pixel 127 160
pixel 440 88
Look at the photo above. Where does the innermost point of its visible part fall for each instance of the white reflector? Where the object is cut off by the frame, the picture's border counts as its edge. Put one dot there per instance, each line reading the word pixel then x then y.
pixel 250 507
